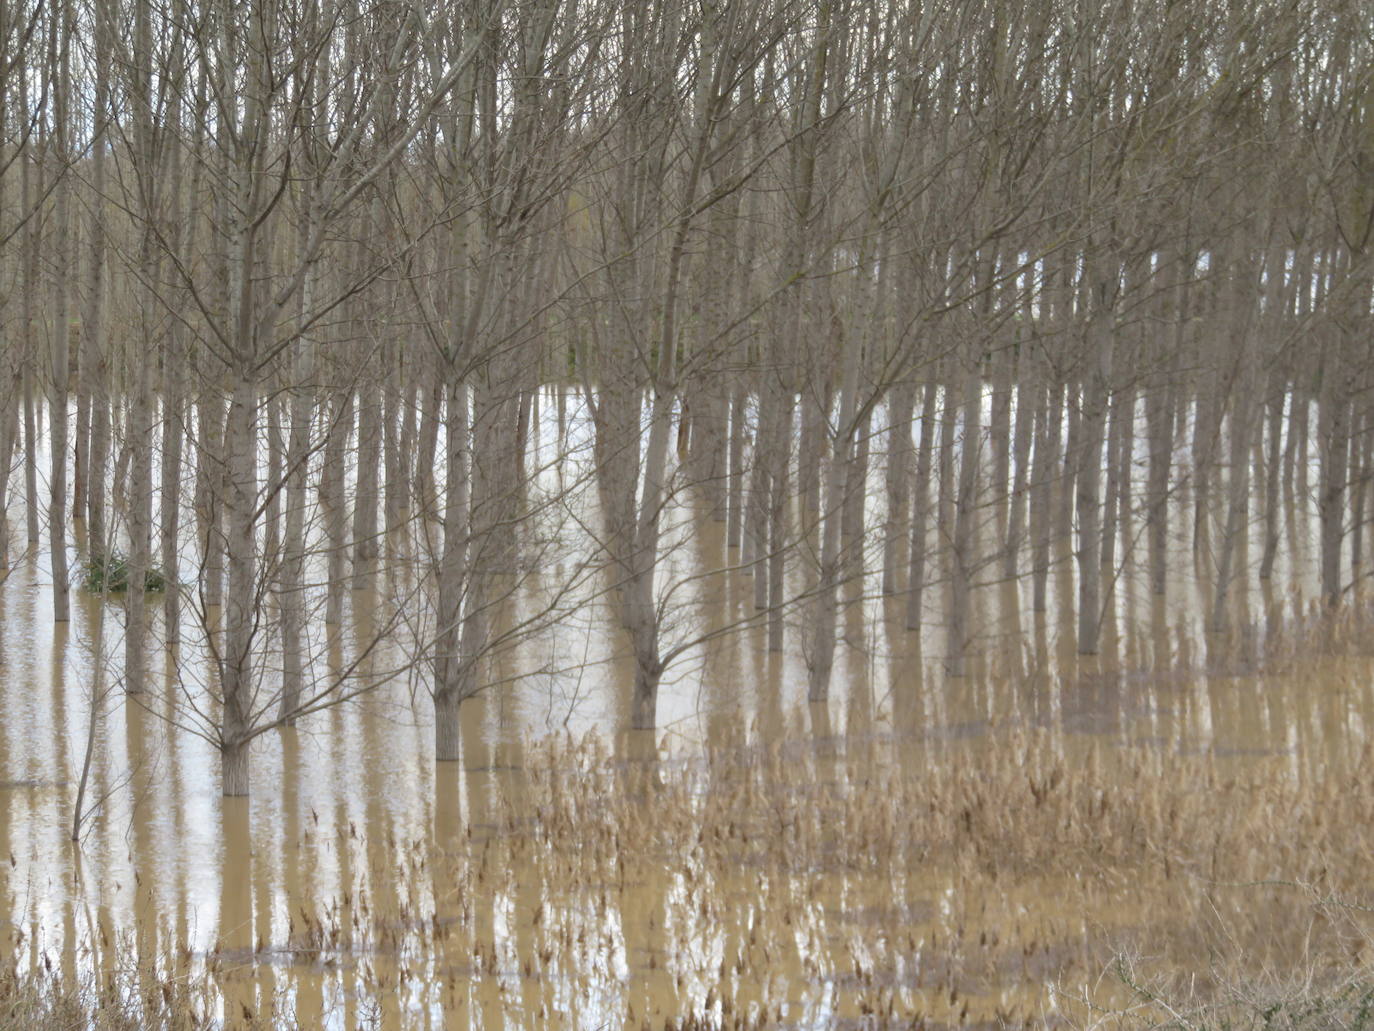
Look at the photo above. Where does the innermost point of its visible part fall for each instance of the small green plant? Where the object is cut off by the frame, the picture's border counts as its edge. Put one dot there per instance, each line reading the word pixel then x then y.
pixel 110 573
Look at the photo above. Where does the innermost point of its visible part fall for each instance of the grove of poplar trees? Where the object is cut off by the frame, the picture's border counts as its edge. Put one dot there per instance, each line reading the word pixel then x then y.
pixel 288 287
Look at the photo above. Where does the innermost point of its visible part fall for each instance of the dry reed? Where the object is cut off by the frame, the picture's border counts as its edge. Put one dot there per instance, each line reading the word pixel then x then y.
pixel 865 882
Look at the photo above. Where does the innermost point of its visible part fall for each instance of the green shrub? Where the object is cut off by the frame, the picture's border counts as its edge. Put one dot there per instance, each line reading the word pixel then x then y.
pixel 111 573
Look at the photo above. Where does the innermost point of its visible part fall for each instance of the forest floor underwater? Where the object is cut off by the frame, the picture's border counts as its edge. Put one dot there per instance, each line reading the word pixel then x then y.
pixel 1020 876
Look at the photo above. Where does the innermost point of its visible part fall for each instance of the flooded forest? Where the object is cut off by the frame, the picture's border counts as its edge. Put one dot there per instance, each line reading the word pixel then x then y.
pixel 663 514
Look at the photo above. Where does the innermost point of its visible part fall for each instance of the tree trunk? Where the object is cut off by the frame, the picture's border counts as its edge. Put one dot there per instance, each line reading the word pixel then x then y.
pixel 1027 390
pixel 1333 428
pixel 31 502
pixel 453 574
pixel 897 526
pixel 335 502
pixel 1274 462
pixel 962 559
pixel 920 505
pixel 448 737
pixel 366 496
pixel 1087 454
pixel 734 522
pixel 240 614
pixel 210 475
pixel 843 465
pixel 1044 528
pixel 1118 474
pixel 298 449
pixel 57 482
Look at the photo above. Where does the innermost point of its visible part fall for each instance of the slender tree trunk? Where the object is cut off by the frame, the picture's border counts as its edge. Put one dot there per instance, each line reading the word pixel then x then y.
pixel 1159 421
pixel 9 431
pixel 430 418
pixel 949 413
pixel 61 352
pixel 734 523
pixel 780 458
pixel 1087 457
pixel 1027 390
pixel 1239 309
pixel 97 379
pixel 240 610
pixel 1043 464
pixel 1359 473
pixel 210 475
pixel 395 488
pixel 920 504
pixel 335 502
pixel 843 465
pixel 811 456
pixel 999 425
pixel 449 661
pixel 29 193
pixel 756 543
pixel 298 450
pixel 1274 462
pixel 31 502
pixel 852 526
pixel 1333 417
pixel 963 562
pixel 1118 473
pixel 366 498
pixel 897 525
pixel 140 431
pixel 173 416
pixel 275 475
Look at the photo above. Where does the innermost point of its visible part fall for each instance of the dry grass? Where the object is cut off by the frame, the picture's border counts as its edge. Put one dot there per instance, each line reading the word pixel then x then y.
pixel 46 1000
pixel 867 883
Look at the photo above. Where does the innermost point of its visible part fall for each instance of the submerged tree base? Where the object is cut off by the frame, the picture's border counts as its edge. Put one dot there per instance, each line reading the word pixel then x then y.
pixel 859 880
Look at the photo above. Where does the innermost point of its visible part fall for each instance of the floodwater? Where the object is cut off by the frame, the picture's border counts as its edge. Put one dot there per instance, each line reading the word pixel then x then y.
pixel 758 860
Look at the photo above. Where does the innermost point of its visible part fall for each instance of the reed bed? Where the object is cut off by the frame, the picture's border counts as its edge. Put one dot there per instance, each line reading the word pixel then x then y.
pixel 1027 879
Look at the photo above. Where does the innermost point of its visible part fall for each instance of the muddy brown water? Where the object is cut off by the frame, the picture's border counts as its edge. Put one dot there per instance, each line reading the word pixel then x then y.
pixel 364 885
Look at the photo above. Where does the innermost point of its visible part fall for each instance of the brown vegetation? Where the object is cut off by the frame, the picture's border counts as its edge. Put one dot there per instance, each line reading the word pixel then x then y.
pixel 905 880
